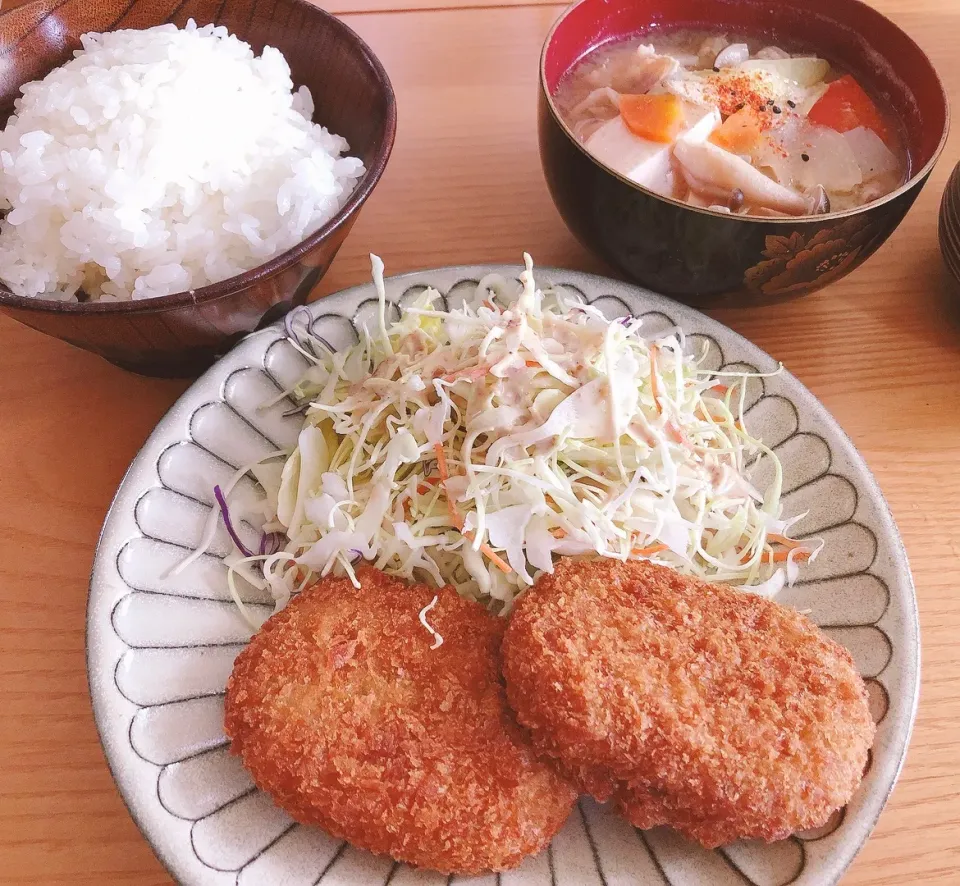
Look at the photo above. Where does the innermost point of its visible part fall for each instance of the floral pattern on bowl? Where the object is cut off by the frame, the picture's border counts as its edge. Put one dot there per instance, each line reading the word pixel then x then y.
pixel 793 263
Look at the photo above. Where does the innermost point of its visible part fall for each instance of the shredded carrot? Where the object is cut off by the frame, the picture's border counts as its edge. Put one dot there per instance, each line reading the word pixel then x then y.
pixel 497 560
pixel 677 434
pixel 441 462
pixel 783 556
pixel 783 540
pixel 455 517
pixel 489 303
pixel 779 556
pixel 654 381
pixel 426 484
pixel 649 551
pixel 645 435
pixel 471 372
pixel 533 364
pixel 720 389
pixel 558 532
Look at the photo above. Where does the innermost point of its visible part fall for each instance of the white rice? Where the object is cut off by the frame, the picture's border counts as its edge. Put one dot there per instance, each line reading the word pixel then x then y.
pixel 160 161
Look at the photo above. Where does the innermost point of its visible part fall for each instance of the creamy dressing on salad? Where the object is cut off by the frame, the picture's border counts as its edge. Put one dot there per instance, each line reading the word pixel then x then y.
pixel 475 445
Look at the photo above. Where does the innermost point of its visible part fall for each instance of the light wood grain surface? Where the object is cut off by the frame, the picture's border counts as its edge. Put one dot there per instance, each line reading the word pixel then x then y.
pixel 881 349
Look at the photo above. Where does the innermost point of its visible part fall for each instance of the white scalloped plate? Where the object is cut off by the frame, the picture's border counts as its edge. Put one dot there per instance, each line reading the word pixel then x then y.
pixel 160 649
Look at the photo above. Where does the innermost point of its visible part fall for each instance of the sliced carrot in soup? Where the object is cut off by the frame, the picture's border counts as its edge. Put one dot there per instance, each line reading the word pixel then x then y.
pixel 845 106
pixel 740 132
pixel 658 118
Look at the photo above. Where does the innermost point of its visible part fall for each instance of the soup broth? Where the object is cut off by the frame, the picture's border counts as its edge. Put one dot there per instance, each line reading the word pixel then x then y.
pixel 734 124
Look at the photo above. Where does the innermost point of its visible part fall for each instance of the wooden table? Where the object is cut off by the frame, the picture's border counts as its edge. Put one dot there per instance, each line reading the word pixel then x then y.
pixel 881 349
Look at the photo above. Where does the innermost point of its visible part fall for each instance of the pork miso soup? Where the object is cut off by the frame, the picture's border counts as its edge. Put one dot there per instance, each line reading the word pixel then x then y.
pixel 734 124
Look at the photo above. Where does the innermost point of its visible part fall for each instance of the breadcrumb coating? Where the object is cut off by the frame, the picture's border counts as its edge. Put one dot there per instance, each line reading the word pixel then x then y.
pixel 715 711
pixel 344 713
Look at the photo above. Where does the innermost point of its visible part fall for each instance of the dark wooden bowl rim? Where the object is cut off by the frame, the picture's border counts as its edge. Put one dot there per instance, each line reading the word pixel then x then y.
pixel 279 263
pixel 753 219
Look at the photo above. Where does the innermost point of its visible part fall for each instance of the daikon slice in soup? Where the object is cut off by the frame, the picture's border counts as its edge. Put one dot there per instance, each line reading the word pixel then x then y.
pixel 734 124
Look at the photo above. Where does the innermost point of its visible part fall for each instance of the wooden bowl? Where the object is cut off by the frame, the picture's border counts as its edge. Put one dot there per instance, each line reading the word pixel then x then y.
pixel 183 333
pixel 949 228
pixel 702 256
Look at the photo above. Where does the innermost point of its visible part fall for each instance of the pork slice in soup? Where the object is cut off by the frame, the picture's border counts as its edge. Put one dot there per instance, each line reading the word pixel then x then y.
pixel 733 125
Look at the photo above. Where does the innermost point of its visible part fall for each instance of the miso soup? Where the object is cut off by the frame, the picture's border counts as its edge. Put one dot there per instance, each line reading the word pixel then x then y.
pixel 733 124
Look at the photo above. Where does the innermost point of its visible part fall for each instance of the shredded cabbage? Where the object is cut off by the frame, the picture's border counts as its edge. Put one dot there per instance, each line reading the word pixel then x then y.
pixel 437 639
pixel 475 445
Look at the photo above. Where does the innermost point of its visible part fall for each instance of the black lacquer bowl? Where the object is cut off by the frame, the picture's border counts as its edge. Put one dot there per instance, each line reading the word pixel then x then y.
pixel 702 256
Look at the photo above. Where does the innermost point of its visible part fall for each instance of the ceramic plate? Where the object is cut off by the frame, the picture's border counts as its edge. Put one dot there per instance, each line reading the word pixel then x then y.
pixel 160 648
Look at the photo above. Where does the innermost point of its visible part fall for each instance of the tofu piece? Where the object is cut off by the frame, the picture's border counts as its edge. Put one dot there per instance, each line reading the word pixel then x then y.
pixel 642 161
pixel 702 121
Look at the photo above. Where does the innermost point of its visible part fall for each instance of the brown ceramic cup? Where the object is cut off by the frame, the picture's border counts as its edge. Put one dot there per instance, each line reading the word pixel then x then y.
pixel 702 256
pixel 181 334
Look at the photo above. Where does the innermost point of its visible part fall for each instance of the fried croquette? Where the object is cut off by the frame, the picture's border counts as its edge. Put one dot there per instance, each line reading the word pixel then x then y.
pixel 346 711
pixel 715 711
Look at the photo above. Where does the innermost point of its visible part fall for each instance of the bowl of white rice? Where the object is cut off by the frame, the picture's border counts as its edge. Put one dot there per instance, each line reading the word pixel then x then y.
pixel 170 185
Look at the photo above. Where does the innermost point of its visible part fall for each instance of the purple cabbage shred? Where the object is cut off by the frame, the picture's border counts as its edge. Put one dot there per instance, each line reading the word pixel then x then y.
pixel 270 543
pixel 225 512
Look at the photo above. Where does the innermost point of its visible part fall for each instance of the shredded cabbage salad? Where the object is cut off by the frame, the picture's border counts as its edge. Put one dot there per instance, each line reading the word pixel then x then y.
pixel 474 445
